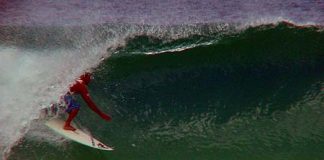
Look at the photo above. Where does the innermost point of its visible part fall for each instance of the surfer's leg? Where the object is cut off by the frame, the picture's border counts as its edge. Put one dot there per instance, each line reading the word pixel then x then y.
pixel 72 114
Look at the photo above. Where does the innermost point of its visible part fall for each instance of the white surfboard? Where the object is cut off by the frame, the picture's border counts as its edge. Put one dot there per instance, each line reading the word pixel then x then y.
pixel 77 135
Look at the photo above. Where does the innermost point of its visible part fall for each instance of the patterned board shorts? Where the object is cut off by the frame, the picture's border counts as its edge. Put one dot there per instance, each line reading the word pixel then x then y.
pixel 70 102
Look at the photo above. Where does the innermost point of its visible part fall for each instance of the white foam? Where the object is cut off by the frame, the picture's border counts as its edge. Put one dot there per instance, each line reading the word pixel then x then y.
pixel 31 80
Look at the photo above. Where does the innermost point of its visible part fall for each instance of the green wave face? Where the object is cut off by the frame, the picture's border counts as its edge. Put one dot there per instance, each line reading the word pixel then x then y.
pixel 257 94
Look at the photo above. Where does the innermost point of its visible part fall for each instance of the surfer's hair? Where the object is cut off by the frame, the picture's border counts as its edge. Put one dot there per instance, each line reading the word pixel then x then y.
pixel 86 77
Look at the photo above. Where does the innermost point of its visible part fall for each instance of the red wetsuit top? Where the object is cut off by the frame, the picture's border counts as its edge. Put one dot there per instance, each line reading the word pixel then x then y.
pixel 80 87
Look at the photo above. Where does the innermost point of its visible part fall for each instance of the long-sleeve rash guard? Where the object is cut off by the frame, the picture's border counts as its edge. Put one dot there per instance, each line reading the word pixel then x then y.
pixel 80 88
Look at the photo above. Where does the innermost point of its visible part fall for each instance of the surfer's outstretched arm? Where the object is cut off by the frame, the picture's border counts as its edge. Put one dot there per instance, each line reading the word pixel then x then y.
pixel 85 95
pixel 80 88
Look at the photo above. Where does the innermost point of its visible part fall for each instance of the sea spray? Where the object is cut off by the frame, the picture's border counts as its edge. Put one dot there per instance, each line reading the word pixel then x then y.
pixel 32 79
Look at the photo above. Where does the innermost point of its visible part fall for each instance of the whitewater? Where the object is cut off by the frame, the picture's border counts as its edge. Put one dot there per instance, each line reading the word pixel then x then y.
pixel 32 80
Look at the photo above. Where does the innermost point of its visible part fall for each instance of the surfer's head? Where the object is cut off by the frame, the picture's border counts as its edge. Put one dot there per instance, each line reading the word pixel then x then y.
pixel 86 77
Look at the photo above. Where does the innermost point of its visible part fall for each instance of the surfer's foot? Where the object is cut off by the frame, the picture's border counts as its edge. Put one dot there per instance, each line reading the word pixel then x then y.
pixel 69 127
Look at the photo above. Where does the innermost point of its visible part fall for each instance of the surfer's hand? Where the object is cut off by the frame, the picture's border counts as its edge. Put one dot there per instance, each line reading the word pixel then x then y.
pixel 105 117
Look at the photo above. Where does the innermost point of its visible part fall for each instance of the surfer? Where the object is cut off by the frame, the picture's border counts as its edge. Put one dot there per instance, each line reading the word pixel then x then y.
pixel 80 87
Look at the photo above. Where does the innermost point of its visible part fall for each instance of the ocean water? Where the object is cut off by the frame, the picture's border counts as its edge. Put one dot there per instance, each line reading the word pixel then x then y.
pixel 200 80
